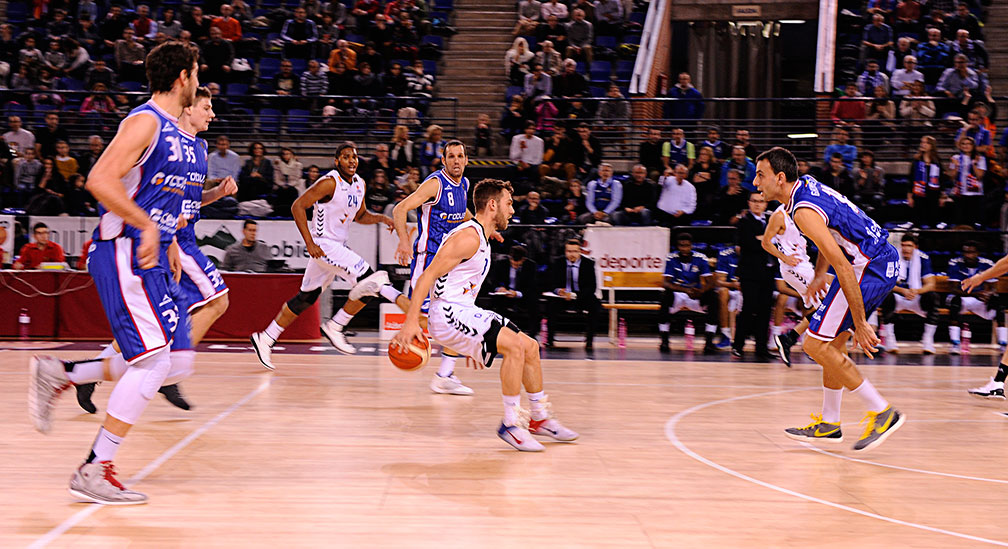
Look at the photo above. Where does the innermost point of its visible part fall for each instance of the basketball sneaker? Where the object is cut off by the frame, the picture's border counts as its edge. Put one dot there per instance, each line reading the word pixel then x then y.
pixel 954 348
pixel 992 390
pixel 263 345
pixel 171 392
pixel 723 342
pixel 518 435
pixel 337 338
pixel 369 286
pixel 96 482
pixel 880 426
pixel 549 426
pixel 818 430
pixel 450 385
pixel 84 392
pixel 784 344
pixel 928 346
pixel 46 380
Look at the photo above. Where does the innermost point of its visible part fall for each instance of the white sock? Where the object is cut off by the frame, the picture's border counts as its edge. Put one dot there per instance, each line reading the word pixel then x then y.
pixel 274 330
pixel 108 352
pixel 1002 334
pixel 105 446
pixel 87 371
pixel 871 397
pixel 447 367
pixel 537 405
pixel 726 332
pixel 831 404
pixel 929 332
pixel 341 319
pixel 664 327
pixel 954 333
pixel 389 292
pixel 511 404
pixel 710 328
pixel 775 330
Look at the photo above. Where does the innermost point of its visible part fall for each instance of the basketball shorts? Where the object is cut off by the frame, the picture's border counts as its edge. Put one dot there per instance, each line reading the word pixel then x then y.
pixel 972 305
pixel 734 301
pixel 201 281
pixel 418 264
pixel 877 280
pixel 338 261
pixel 463 328
pixel 904 305
pixel 145 307
pixel 799 277
pixel 680 301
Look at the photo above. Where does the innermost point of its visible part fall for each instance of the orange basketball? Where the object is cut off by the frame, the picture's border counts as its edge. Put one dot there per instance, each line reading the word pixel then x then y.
pixel 413 358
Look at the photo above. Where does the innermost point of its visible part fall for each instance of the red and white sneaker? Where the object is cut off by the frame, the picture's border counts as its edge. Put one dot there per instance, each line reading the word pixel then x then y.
pixel 517 434
pixel 549 426
pixel 46 380
pixel 96 482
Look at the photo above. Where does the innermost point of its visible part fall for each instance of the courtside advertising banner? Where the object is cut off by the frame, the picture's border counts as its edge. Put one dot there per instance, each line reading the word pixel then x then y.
pixel 627 257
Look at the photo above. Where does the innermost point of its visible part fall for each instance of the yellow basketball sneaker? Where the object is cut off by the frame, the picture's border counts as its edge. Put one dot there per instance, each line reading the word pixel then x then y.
pixel 880 426
pixel 818 430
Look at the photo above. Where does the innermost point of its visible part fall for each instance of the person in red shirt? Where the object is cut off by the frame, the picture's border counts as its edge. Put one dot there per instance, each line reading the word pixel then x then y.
pixel 41 251
pixel 229 26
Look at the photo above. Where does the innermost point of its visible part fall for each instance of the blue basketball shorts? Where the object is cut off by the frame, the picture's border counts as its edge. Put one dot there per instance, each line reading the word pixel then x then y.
pixel 142 305
pixel 876 279
pixel 418 264
pixel 201 281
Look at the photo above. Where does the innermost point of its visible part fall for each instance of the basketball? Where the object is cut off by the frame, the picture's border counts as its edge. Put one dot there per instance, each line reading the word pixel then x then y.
pixel 413 358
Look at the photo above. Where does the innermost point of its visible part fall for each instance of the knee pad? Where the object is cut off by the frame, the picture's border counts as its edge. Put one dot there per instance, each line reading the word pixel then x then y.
pixel 303 300
pixel 137 386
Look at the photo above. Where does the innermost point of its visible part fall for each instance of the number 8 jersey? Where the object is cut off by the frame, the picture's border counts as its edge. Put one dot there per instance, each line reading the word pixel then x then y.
pixel 857 234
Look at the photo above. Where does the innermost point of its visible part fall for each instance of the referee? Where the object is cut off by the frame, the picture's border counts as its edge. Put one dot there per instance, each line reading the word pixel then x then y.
pixel 756 271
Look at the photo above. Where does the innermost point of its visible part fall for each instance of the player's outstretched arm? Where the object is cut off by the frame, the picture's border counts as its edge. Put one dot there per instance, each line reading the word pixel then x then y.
pixel 105 181
pixel 453 251
pixel 426 191
pixel 320 189
pixel 226 187
pixel 814 226
pixel 977 280
pixel 367 217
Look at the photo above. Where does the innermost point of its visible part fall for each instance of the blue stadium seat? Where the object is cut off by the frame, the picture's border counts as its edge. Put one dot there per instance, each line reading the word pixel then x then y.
pixel 532 42
pixel 632 39
pixel 297 120
pixel 268 67
pixel 701 223
pixel 433 39
pixel 624 69
pixel 637 17
pixel 16 109
pixel 512 91
pixel 600 71
pixel 605 41
pixel 430 66
pixel 581 68
pixel 236 89
pixel 444 5
pixel 356 38
pixel 298 65
pixel 17 12
pixel 73 84
pixel 131 86
pixel 596 91
pixel 269 121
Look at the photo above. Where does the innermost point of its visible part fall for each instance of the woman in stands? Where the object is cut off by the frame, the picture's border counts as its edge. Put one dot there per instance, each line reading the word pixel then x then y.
pixel 516 61
pixel 967 169
pixel 924 196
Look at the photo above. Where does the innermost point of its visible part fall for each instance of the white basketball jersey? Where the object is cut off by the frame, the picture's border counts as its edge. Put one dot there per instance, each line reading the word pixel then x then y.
pixel 331 220
pixel 790 242
pixel 461 284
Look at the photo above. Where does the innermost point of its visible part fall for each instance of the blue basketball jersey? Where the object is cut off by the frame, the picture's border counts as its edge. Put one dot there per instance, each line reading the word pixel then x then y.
pixel 858 235
pixel 194 184
pixel 727 263
pixel 687 272
pixel 439 215
pixel 157 182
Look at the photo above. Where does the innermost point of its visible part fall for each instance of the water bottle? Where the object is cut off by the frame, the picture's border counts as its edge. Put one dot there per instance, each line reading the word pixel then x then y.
pixel 690 333
pixel 622 333
pixel 966 335
pixel 24 322
pixel 543 332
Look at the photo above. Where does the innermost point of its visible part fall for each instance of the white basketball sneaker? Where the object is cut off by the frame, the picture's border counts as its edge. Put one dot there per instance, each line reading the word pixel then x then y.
pixel 928 346
pixel 369 286
pixel 96 482
pixel 450 385
pixel 263 345
pixel 337 338
pixel 549 426
pixel 517 434
pixel 992 390
pixel 46 380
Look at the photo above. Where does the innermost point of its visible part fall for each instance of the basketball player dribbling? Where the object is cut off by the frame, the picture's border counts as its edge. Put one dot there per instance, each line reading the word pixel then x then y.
pixel 337 199
pixel 442 201
pixel 202 285
pixel 783 240
pixel 139 182
pixel 840 230
pixel 452 279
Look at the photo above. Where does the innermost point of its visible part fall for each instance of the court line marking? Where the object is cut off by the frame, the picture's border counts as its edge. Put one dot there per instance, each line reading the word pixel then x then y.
pixel 79 516
pixel 909 469
pixel 670 433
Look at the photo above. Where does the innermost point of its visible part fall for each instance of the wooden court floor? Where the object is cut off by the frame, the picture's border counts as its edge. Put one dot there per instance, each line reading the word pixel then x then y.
pixel 349 452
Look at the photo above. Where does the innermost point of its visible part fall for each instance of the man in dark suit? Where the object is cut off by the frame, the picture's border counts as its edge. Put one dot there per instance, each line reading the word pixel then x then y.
pixel 756 271
pixel 513 282
pixel 572 279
